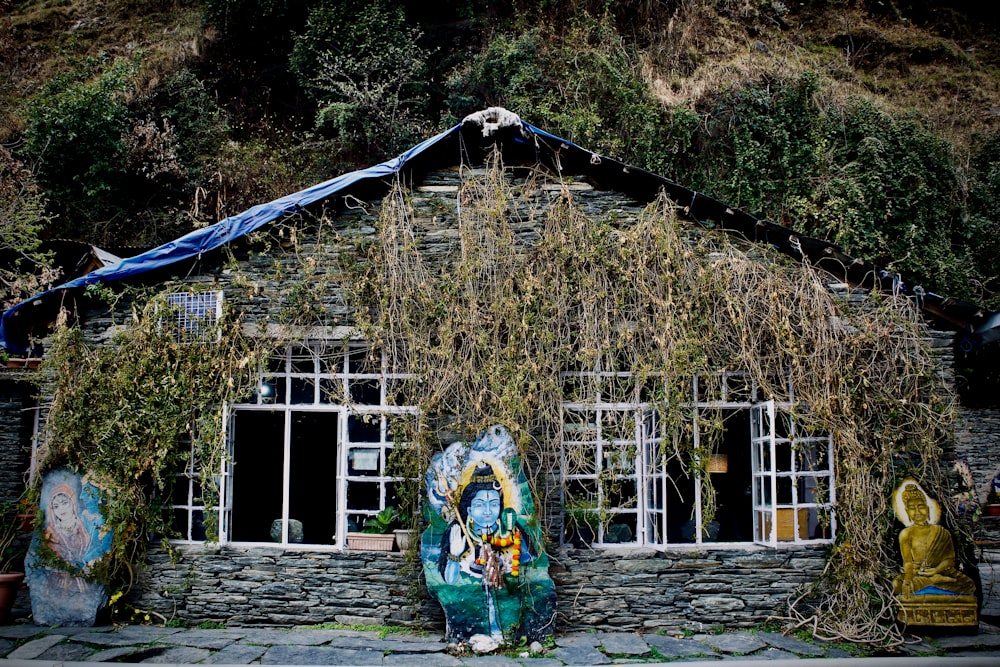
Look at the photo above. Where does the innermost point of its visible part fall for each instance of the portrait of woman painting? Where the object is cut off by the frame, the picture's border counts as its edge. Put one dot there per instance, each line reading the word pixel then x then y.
pixel 74 531
pixel 483 551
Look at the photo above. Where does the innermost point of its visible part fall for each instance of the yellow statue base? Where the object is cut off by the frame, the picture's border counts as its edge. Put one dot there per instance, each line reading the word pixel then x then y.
pixel 952 611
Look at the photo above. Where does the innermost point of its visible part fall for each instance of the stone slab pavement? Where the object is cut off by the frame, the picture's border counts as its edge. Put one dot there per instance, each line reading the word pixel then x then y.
pixel 33 646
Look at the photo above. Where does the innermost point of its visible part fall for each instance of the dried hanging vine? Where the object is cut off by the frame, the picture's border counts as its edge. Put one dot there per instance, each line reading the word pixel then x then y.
pixel 488 328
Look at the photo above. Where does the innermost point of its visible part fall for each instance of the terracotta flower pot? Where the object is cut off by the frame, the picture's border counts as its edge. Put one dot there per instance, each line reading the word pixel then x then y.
pixel 10 583
pixel 370 541
pixel 992 509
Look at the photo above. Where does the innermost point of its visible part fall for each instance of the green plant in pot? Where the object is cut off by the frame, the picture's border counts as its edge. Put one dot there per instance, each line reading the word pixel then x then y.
pixel 377 533
pixel 992 504
pixel 583 519
pixel 382 523
pixel 11 551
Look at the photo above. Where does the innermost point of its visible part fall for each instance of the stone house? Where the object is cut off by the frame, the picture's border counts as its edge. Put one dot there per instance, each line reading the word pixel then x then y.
pixel 655 565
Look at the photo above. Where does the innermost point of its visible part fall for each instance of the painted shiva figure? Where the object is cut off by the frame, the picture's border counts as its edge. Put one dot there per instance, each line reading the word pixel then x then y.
pixel 482 550
pixel 486 539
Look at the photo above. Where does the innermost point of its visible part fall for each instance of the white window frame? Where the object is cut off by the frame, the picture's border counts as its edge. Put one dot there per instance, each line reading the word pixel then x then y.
pixel 194 315
pixel 735 392
pixel 338 368
pixel 189 482
pixel 771 517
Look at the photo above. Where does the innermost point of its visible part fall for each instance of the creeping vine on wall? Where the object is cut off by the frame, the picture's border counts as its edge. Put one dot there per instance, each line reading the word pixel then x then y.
pixel 489 328
pixel 128 412
pixel 535 286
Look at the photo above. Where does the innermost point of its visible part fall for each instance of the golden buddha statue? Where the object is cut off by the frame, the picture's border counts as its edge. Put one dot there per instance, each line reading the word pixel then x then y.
pixel 932 590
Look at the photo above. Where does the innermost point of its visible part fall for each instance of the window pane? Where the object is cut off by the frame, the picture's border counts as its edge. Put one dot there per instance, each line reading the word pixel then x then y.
pixel 681 500
pixel 621 529
pixel 363 495
pixel 813 456
pixel 312 497
pixel 276 364
pixel 576 389
pixel 180 490
pixel 403 391
pixel 581 493
pixel 580 459
pixel 784 490
pixel 331 391
pixel 365 392
pixel 303 360
pixel 620 459
pixel 364 428
pixel 401 427
pixel 618 390
pixel 738 387
pixel 783 456
pixel 618 425
pixel 621 493
pixel 179 522
pixel 364 361
pixel 332 363
pixel 258 462
pixel 303 391
pixel 198 526
pixel 364 462
pixel 580 425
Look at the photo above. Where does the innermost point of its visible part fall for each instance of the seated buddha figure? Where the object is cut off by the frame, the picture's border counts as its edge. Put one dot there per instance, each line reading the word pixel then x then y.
pixel 928 551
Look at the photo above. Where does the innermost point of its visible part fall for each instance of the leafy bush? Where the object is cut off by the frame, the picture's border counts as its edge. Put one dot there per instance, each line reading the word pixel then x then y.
pixel 361 63
pixel 583 82
pixel 24 268
pixel 73 132
pixel 883 187
pixel 200 125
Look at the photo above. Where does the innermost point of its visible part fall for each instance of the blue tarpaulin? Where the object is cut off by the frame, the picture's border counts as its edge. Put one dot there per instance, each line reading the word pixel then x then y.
pixel 196 243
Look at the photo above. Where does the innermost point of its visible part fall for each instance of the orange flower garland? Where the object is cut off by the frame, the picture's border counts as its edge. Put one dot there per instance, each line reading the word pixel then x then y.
pixel 513 539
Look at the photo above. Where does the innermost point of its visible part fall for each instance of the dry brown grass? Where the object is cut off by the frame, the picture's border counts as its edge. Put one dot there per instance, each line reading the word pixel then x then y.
pixel 41 40
pixel 950 81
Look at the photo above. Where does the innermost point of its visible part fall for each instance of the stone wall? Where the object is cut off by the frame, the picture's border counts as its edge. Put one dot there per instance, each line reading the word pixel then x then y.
pixel 977 438
pixel 619 589
pixel 648 589
pixel 16 420
pixel 275 586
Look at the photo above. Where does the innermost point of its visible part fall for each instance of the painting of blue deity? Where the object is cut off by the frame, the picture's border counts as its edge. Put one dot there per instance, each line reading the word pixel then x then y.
pixel 73 532
pixel 483 551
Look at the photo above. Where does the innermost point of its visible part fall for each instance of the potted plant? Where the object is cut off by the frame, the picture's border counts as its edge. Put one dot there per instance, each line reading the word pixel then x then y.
pixel 404 538
pixel 992 504
pixel 377 533
pixel 10 554
pixel 582 522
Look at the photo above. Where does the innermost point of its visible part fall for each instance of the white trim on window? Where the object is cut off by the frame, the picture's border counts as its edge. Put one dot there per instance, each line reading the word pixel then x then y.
pixel 639 494
pixel 314 441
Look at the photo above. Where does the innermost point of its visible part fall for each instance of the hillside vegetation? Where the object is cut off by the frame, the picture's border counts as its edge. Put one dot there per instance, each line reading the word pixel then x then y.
pixel 871 124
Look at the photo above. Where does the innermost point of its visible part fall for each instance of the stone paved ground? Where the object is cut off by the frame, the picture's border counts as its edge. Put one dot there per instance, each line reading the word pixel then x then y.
pixel 244 646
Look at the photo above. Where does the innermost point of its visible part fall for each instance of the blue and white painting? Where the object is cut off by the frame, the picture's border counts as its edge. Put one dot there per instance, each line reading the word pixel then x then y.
pixel 74 529
pixel 483 551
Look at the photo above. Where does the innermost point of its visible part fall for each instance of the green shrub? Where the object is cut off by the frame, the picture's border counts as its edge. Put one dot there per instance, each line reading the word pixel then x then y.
pixel 883 187
pixel 73 132
pixel 25 268
pixel 581 81
pixel 200 125
pixel 360 62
